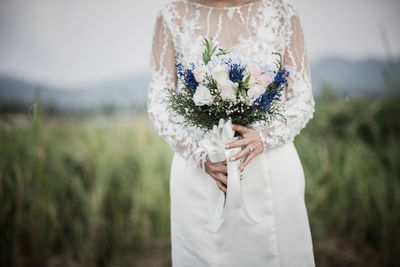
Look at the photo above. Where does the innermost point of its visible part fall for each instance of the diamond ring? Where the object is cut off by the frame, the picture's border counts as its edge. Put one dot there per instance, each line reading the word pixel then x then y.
pixel 250 148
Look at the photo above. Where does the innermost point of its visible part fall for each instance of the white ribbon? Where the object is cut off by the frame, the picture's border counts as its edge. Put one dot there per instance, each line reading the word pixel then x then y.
pixel 215 147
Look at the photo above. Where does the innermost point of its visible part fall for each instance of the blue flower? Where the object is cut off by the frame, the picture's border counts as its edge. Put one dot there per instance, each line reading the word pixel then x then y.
pixel 236 72
pixel 264 100
pixel 187 75
pixel 190 79
pixel 280 77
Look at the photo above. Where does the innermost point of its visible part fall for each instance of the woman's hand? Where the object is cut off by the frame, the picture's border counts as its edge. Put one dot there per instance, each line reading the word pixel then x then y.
pixel 252 142
pixel 218 171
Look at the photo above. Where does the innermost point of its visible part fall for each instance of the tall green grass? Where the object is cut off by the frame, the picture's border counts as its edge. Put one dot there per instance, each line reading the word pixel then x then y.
pixel 95 192
pixel 351 157
pixel 84 192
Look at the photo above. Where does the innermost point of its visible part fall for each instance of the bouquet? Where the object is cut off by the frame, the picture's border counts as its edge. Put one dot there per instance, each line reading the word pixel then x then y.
pixel 227 88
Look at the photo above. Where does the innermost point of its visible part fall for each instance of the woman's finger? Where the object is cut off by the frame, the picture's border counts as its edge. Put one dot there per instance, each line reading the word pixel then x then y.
pixel 221 177
pixel 238 143
pixel 248 159
pixel 245 151
pixel 222 167
pixel 221 186
pixel 239 128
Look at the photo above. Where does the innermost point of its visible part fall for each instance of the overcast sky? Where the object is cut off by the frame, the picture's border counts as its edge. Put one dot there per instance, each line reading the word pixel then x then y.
pixel 78 42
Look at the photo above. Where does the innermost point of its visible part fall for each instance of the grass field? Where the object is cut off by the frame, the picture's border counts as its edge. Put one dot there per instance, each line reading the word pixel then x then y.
pixel 95 191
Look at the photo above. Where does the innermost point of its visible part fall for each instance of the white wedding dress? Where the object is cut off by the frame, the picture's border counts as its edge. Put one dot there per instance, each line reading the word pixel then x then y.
pixel 273 185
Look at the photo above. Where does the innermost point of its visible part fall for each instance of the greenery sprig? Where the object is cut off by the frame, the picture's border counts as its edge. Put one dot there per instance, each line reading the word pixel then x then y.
pixel 210 49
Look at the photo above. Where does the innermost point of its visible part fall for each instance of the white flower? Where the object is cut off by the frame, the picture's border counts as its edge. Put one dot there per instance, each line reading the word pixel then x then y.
pixel 254 91
pixel 265 79
pixel 200 73
pixel 228 89
pixel 254 71
pixel 252 81
pixel 202 96
pixel 220 74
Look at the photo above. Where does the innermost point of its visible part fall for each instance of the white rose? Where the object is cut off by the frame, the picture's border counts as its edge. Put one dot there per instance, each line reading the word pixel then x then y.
pixel 200 73
pixel 220 74
pixel 254 92
pixel 228 89
pixel 252 80
pixel 253 69
pixel 265 79
pixel 202 96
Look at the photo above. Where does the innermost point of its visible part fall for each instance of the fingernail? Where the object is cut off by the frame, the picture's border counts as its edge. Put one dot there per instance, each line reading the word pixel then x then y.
pixel 226 146
pixel 241 168
pixel 233 158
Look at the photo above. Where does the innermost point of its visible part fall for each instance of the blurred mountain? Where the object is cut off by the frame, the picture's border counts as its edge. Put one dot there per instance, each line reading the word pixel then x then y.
pixel 366 77
pixel 122 94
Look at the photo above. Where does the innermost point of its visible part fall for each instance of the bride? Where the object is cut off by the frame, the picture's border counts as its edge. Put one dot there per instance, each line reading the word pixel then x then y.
pixel 272 179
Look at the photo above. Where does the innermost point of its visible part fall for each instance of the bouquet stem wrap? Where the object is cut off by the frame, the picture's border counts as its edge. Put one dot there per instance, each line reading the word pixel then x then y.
pixel 233 200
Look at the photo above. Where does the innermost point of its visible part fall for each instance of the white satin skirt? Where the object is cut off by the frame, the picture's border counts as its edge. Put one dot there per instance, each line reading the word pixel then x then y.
pixel 273 191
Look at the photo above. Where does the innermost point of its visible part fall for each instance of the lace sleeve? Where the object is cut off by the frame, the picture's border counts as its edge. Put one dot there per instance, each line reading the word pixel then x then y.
pixel 298 103
pixel 162 76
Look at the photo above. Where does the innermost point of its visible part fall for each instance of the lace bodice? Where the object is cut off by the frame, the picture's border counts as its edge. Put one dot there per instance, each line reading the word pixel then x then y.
pixel 255 29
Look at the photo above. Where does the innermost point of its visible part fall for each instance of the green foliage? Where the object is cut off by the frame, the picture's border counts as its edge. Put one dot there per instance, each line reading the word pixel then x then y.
pixel 210 50
pixel 82 193
pixel 243 86
pixel 350 153
pixel 205 117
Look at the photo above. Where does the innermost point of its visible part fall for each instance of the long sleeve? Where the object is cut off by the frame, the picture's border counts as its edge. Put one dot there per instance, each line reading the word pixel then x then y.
pixel 298 103
pixel 163 75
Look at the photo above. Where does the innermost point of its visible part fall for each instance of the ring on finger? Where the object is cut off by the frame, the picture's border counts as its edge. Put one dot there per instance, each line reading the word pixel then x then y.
pixel 250 148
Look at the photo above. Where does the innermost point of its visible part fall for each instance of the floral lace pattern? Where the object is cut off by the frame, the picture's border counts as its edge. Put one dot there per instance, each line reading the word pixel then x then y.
pixel 256 29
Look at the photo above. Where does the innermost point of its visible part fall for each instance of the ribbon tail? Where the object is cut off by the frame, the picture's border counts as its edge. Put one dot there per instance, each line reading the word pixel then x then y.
pixel 229 205
pixel 217 219
pixel 246 213
pixel 234 190
pixel 235 194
